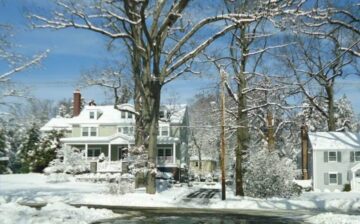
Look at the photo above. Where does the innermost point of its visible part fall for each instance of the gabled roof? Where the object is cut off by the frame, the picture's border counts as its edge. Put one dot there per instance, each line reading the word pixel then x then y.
pixel 334 140
pixel 105 115
pixel 109 115
pixel 57 123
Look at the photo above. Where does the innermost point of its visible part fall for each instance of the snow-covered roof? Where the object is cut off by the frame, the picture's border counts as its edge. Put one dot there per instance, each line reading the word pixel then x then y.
pixel 57 123
pixel 334 141
pixel 105 115
pixel 115 139
pixel 109 115
pixel 177 112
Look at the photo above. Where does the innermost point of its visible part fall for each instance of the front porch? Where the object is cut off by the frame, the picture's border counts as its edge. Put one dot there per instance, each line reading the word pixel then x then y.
pixel 111 153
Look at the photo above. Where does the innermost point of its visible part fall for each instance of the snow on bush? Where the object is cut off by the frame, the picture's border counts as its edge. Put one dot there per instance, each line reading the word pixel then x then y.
pixel 73 162
pixel 268 175
pixel 57 178
pixel 56 213
pixel 124 184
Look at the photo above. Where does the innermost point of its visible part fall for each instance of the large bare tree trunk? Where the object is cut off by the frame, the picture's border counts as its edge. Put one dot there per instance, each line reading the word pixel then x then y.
pixel 242 122
pixel 151 119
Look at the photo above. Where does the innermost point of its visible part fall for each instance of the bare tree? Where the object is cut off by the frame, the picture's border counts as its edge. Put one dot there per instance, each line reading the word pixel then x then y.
pixel 16 62
pixel 110 79
pixel 162 42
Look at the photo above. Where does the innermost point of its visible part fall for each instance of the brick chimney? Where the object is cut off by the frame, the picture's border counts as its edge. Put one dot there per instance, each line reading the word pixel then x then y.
pixel 304 152
pixel 77 103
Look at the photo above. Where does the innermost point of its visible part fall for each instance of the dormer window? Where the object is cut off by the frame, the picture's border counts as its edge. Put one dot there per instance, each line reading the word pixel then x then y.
pixel 92 114
pixel 123 114
pixel 162 114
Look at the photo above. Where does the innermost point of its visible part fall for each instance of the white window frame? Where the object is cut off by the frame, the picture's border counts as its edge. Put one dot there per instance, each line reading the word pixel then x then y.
pixel 332 156
pixel 90 113
pixel 356 160
pixel 166 128
pixel 123 115
pixel 89 131
pixel 337 176
pixel 162 158
pixel 130 130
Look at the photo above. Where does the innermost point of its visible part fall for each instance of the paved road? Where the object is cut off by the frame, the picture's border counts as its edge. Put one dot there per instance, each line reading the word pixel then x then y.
pixel 204 193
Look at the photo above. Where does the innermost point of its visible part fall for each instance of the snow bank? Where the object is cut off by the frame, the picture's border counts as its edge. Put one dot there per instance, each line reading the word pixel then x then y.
pixel 330 218
pixel 55 213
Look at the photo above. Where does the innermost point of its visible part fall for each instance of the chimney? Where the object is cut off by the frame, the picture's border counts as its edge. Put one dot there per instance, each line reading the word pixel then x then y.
pixel 304 151
pixel 77 103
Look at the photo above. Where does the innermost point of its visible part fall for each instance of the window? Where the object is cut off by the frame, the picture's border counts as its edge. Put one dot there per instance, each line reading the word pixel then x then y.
pixel 163 131
pixel 93 131
pixel 126 130
pixel 162 114
pixel 165 155
pixel 94 152
pixel 357 156
pixel 92 114
pixel 196 164
pixel 333 178
pixel 129 115
pixel 332 156
pixel 89 131
pixel 123 115
pixel 85 131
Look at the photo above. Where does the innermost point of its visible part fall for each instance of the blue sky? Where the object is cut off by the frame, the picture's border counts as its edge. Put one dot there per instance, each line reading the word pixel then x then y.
pixel 72 52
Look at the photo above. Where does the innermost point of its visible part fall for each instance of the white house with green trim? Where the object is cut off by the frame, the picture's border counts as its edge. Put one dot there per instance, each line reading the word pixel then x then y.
pixel 335 160
pixel 104 130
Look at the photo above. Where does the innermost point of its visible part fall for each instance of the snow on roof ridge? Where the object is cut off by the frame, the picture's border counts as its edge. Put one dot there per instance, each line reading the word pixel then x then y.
pixel 334 140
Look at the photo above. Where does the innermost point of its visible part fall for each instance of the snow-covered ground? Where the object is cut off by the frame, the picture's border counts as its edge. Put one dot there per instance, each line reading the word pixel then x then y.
pixel 54 213
pixel 34 188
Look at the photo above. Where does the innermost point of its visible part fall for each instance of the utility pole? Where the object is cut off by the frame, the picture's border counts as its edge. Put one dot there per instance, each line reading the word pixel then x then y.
pixel 222 143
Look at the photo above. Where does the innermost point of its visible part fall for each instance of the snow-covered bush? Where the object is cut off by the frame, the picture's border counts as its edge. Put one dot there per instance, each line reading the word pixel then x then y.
pixel 4 152
pixel 28 148
pixel 268 175
pixel 73 162
pixel 57 178
pixel 124 184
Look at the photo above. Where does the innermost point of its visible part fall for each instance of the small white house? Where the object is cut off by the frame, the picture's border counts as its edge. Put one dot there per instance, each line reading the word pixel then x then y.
pixel 335 160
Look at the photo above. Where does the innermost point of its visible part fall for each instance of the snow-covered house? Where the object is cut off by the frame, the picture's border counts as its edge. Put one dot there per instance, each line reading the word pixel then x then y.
pixel 104 130
pixel 207 164
pixel 335 160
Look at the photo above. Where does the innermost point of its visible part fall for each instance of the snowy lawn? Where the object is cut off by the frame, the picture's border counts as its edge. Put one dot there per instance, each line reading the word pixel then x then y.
pixel 54 213
pixel 34 188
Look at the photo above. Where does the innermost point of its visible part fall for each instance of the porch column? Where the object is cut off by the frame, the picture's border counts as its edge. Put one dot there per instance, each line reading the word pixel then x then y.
pixel 174 152
pixel 86 151
pixel 109 152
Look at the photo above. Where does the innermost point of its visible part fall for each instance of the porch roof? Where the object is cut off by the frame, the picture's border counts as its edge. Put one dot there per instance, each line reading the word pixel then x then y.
pixel 114 139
